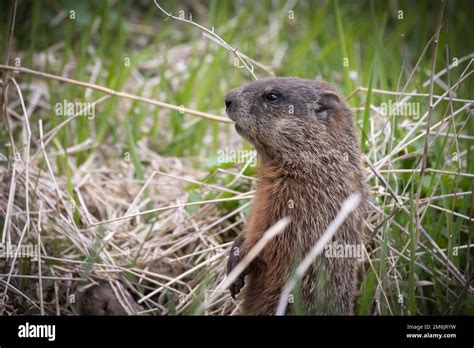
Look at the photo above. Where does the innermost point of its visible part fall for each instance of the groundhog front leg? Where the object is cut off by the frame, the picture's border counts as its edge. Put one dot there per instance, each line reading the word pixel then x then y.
pixel 236 255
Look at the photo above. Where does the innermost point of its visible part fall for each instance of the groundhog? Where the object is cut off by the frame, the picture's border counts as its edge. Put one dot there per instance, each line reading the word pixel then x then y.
pixel 309 163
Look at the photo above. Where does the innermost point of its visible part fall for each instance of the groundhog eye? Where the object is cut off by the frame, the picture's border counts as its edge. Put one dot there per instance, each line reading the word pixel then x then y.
pixel 272 96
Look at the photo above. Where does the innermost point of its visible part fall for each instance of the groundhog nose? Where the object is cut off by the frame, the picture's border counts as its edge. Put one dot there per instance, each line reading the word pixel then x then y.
pixel 228 101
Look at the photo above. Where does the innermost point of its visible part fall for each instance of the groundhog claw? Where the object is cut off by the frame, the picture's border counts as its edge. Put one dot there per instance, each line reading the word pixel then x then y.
pixel 235 257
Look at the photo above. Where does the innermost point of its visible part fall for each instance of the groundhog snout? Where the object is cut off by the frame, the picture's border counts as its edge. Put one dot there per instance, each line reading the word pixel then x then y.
pixel 228 101
pixel 232 103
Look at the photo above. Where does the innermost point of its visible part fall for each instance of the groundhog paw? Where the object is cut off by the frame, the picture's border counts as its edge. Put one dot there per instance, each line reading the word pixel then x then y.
pixel 235 257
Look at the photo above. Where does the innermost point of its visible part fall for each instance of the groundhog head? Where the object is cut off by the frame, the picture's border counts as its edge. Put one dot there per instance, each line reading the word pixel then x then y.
pixel 287 117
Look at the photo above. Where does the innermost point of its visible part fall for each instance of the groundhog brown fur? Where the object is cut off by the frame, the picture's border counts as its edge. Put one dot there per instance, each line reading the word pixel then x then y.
pixel 309 163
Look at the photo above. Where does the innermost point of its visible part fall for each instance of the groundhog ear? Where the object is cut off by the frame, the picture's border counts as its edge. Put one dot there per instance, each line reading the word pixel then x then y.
pixel 326 104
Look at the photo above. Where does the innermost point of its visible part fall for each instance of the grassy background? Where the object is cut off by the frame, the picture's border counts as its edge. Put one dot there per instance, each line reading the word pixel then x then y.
pixel 175 64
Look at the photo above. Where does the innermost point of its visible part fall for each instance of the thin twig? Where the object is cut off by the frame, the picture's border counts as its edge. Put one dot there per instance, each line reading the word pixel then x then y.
pixel 277 228
pixel 246 64
pixel 348 206
pixel 112 92
pixel 175 206
pixel 424 158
